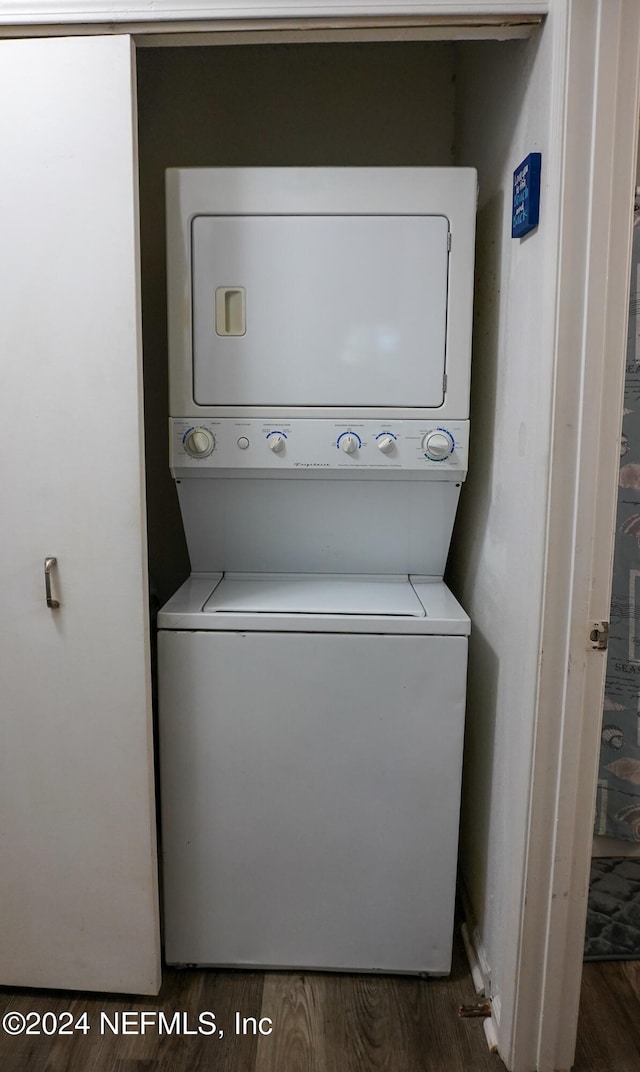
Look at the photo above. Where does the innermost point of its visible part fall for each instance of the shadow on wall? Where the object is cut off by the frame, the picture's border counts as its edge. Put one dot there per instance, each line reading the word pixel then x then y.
pixel 472 522
pixel 499 116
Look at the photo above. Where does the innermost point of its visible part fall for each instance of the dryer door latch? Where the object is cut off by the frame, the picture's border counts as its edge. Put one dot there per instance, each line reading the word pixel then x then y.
pixel 599 635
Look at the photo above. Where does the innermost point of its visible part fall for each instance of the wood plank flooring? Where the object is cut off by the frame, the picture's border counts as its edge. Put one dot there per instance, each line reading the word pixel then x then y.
pixel 609 1024
pixel 320 1023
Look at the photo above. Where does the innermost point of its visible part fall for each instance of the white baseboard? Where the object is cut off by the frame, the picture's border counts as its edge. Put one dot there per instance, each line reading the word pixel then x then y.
pixel 608 846
pixel 474 948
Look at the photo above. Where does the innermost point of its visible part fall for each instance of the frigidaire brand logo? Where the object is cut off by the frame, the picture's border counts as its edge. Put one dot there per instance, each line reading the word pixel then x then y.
pixel 312 465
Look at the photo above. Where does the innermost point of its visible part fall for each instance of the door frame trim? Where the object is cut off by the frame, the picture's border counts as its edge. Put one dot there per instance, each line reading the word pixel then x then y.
pixel 598 159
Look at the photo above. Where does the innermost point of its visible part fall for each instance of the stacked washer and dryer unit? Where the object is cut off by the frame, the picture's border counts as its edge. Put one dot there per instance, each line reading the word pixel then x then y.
pixel 312 668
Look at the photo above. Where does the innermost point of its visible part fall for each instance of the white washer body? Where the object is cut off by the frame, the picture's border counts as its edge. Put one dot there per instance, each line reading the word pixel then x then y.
pixel 310 771
pixel 312 670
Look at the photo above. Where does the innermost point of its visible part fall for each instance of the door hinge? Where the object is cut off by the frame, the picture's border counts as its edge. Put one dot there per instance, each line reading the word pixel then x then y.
pixel 449 241
pixel 599 635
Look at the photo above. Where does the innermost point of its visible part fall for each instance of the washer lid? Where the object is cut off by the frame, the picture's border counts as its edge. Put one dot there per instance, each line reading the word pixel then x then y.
pixel 280 593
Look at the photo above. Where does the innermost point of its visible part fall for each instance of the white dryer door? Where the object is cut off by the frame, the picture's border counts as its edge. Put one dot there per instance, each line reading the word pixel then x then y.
pixel 319 310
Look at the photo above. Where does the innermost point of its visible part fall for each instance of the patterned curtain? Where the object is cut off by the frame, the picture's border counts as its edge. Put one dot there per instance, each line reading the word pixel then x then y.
pixel 618 798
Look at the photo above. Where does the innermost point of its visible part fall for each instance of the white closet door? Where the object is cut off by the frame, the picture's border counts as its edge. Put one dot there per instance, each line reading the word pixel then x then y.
pixel 78 889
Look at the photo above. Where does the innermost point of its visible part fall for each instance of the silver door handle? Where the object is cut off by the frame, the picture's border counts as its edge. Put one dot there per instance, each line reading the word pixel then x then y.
pixel 48 564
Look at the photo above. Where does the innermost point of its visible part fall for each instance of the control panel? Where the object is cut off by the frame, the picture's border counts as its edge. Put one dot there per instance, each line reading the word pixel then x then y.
pixel 316 444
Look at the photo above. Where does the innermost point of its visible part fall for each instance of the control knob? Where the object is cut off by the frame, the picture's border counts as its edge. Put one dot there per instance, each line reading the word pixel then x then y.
pixel 199 443
pixel 349 443
pixel 438 445
pixel 386 444
pixel 276 442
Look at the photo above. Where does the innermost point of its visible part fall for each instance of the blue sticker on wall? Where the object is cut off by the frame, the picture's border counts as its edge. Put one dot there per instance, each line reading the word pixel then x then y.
pixel 526 195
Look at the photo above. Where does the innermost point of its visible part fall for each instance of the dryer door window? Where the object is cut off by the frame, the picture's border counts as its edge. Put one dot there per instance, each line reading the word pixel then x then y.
pixel 319 310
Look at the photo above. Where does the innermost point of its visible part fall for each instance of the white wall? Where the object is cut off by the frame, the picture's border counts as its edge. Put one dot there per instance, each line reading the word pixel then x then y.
pixel 497 561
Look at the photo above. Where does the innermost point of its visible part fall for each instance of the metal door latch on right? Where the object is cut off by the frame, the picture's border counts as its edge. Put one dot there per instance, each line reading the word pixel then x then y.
pixel 599 635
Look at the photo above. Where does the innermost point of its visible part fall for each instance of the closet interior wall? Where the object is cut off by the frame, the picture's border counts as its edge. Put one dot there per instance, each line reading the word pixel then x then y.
pixel 483 104
pixel 497 561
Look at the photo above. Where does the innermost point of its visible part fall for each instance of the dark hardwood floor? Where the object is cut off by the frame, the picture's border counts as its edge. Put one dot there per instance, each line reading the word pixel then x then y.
pixel 609 1024
pixel 319 1023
